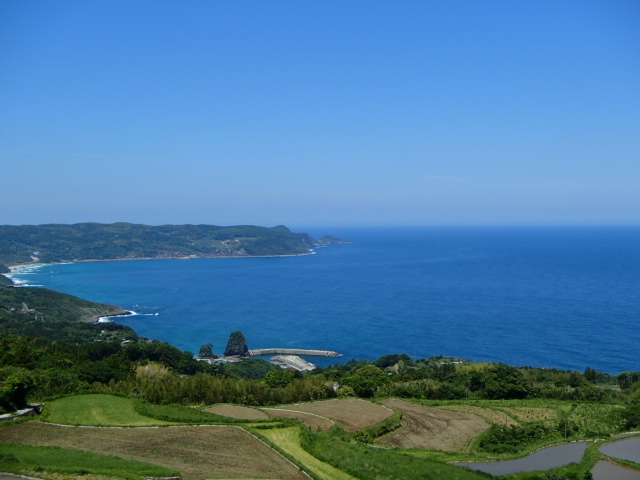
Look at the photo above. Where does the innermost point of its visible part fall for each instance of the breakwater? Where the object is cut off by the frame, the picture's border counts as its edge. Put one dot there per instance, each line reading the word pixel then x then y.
pixel 293 351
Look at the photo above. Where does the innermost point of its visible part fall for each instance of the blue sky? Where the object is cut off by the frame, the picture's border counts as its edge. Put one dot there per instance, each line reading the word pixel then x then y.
pixel 320 112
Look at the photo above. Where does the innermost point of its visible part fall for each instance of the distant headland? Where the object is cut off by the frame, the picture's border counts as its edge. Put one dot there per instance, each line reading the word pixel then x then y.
pixel 53 243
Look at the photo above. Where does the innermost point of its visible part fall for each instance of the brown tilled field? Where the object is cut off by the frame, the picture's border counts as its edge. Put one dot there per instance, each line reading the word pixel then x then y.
pixel 432 428
pixel 351 413
pixel 241 413
pixel 489 414
pixel 311 420
pixel 198 453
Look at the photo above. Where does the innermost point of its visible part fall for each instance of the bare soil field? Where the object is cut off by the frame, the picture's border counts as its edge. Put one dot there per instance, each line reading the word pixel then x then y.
pixel 235 411
pixel 489 414
pixel 311 420
pixel 198 453
pixel 351 413
pixel 433 428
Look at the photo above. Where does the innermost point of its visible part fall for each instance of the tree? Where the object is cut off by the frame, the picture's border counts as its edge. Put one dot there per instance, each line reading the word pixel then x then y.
pixel 366 380
pixel 631 416
pixel 16 387
pixel 281 378
pixel 591 374
pixel 504 382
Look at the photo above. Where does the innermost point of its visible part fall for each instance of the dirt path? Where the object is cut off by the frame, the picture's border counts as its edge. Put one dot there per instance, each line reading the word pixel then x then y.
pixel 311 420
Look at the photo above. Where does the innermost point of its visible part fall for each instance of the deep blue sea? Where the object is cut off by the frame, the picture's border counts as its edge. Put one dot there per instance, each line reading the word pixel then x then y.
pixel 553 297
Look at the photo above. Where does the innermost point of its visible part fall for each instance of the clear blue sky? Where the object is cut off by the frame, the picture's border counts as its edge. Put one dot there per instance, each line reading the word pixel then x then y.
pixel 320 112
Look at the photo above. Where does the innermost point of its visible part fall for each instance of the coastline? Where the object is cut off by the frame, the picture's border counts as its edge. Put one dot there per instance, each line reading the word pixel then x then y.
pixel 311 296
pixel 16 269
pixel 127 259
pixel 107 318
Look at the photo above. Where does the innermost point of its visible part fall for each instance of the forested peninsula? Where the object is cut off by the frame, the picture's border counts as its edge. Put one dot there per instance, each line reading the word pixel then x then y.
pixel 126 241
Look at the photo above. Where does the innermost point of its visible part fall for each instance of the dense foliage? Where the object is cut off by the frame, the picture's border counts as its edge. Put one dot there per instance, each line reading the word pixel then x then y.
pixel 510 439
pixel 48 305
pixel 94 241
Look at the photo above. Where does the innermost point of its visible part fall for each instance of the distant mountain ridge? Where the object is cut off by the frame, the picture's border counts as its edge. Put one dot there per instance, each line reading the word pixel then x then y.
pixel 95 241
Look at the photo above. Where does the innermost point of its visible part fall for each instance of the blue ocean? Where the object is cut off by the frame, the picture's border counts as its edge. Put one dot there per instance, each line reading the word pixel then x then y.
pixel 554 297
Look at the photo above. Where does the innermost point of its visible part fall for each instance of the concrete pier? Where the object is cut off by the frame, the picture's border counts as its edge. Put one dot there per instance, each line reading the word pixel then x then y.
pixel 293 361
pixel 294 351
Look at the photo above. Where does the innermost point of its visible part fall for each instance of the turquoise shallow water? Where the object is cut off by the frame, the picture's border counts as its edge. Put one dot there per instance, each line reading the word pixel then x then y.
pixel 558 297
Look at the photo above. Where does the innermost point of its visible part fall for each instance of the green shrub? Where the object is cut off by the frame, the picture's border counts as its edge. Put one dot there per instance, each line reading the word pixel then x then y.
pixel 386 426
pixel 362 436
pixel 514 438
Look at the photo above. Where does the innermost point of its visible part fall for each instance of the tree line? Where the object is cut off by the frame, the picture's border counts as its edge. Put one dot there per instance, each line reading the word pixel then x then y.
pixel 57 367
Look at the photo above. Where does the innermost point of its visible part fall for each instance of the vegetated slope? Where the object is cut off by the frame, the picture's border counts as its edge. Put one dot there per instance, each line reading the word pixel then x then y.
pixel 4 281
pixel 95 241
pixel 48 305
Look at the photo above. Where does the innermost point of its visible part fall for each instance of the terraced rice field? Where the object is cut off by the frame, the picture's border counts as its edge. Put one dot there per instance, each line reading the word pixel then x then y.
pixel 351 413
pixel 236 411
pixel 489 414
pixel 433 428
pixel 526 414
pixel 198 453
pixel 311 420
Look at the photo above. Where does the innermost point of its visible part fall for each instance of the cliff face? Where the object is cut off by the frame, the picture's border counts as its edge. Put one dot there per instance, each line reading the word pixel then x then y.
pixel 237 345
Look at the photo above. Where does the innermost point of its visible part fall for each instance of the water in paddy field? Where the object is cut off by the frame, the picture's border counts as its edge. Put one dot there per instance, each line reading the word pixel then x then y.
pixel 564 298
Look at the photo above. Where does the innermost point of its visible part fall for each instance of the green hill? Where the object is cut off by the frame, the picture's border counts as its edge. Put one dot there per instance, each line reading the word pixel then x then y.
pixel 95 241
pixel 47 305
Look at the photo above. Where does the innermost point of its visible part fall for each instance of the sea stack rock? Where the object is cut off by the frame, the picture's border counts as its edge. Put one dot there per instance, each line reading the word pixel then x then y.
pixel 237 346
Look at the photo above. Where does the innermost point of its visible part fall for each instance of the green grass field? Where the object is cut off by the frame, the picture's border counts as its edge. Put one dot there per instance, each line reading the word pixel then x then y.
pixel 288 440
pixel 97 410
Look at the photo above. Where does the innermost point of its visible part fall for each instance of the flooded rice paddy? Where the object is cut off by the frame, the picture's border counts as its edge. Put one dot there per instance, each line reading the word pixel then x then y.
pixel 546 459
pixel 608 471
pixel 628 449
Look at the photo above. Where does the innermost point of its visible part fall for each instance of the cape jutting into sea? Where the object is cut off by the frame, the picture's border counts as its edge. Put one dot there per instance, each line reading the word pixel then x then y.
pixel 554 297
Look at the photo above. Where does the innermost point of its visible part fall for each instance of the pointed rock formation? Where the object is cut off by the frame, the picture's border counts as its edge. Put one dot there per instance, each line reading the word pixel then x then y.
pixel 237 345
